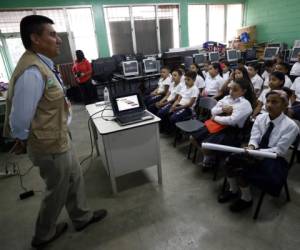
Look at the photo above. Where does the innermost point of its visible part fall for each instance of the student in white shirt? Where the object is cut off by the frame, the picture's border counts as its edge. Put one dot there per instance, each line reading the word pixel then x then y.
pixel 213 81
pixel 205 69
pixel 162 88
pixel 294 111
pixel 284 68
pixel 199 82
pixel 232 111
pixel 163 106
pixel 226 70
pixel 276 83
pixel 269 68
pixel 272 132
pixel 256 80
pixel 182 108
pixel 295 71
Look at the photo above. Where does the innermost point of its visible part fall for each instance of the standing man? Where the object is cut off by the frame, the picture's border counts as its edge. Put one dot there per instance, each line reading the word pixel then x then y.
pixel 37 116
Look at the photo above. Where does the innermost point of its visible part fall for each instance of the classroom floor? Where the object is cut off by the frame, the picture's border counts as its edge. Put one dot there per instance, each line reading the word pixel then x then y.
pixel 183 213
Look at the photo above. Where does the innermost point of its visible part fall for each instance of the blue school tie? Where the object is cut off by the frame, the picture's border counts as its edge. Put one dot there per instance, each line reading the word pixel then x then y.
pixel 265 138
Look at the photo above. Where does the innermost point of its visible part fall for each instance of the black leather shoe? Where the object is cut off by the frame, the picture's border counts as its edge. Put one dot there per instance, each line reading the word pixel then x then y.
pixel 240 205
pixel 60 229
pixel 227 196
pixel 97 216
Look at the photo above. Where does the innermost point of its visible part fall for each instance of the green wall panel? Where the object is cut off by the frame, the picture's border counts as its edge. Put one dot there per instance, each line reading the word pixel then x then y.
pixel 275 20
pixel 97 7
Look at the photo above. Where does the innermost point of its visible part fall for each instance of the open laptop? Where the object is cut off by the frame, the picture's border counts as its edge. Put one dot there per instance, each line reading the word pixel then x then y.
pixel 129 108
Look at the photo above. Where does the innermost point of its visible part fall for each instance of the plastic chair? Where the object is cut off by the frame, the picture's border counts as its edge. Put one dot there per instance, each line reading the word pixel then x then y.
pixel 194 125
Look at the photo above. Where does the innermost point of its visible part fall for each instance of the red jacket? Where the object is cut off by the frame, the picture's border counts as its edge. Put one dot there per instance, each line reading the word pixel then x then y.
pixel 83 67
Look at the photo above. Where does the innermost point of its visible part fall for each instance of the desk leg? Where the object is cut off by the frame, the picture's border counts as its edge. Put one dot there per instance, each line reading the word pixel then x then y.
pixel 95 135
pixel 159 171
pixel 113 184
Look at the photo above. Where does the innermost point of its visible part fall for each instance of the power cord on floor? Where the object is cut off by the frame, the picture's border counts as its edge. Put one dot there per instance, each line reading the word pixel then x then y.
pixel 16 171
pixel 90 120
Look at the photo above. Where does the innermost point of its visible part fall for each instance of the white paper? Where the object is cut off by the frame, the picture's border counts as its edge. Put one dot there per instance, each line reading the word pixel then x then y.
pixel 224 148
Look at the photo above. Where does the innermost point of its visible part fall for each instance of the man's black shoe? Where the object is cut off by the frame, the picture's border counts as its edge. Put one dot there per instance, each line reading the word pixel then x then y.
pixel 240 205
pixel 60 229
pixel 227 196
pixel 97 216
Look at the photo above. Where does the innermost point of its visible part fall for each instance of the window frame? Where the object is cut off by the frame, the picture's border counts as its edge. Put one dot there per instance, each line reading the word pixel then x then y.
pixel 225 39
pixel 130 6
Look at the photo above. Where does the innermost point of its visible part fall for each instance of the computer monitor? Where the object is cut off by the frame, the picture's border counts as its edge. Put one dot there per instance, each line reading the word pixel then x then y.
pixel 250 54
pixel 130 68
pixel 199 59
pixel 270 53
pixel 213 57
pixel 232 55
pixel 294 55
pixel 188 61
pixel 150 65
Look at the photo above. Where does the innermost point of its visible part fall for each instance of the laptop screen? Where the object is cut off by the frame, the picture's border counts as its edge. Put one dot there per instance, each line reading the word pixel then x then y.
pixel 127 102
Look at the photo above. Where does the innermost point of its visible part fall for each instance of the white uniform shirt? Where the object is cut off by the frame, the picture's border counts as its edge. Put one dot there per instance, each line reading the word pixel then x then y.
pixel 287 82
pixel 205 74
pixel 296 88
pixel 266 77
pixel 241 111
pixel 187 94
pixel 295 71
pixel 262 98
pixel 182 79
pixel 174 90
pixel 213 85
pixel 199 82
pixel 226 75
pixel 257 82
pixel 283 134
pixel 162 83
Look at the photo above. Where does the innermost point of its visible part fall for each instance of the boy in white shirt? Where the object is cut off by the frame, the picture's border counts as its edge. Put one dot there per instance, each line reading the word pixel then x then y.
pixel 182 108
pixel 163 107
pixel 256 80
pixel 269 68
pixel 295 71
pixel 272 132
pixel 162 88
pixel 284 68
pixel 213 81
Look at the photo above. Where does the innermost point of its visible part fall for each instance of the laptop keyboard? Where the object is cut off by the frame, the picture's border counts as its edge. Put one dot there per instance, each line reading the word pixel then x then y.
pixel 132 117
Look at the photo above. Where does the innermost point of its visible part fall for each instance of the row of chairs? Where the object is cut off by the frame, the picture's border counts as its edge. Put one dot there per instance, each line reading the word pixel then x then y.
pixel 193 125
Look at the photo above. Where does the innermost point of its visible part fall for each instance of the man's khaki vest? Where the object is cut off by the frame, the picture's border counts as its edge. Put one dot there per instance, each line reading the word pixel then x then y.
pixel 48 133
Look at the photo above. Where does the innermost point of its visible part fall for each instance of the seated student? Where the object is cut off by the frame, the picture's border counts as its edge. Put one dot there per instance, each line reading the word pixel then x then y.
pixel 182 108
pixel 199 82
pixel 213 80
pixel 182 69
pixel 256 80
pixel 163 106
pixel 276 83
pixel 284 68
pixel 294 110
pixel 295 71
pixel 162 88
pixel 272 132
pixel 205 69
pixel 232 111
pixel 238 74
pixel 226 70
pixel 269 68
pixel 241 63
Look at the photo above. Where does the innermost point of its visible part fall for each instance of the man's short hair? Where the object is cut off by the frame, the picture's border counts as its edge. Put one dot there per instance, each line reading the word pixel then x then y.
pixel 32 24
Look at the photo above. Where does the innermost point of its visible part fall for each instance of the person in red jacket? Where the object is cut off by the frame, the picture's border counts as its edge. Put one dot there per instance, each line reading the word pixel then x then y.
pixel 82 70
